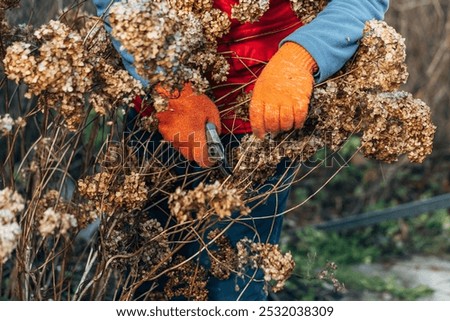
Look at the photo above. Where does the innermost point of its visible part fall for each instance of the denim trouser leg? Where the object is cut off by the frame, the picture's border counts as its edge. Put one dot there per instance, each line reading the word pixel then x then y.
pixel 264 224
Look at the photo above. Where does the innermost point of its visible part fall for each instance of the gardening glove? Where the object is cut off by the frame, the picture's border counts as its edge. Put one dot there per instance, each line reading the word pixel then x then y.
pixel 183 123
pixel 282 92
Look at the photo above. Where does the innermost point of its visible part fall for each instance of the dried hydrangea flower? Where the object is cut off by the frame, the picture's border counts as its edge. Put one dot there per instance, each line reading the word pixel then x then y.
pixel 110 191
pixel 256 159
pixel 187 280
pixel 277 267
pixel 11 203
pixel 223 256
pixel 6 124
pixel 52 222
pixel 249 10
pixel 158 38
pixel 380 60
pixel 397 124
pixel 307 10
pixel 54 215
pixel 9 237
pixel 241 109
pixel 136 243
pixel 62 66
pixel 179 35
pixel 204 201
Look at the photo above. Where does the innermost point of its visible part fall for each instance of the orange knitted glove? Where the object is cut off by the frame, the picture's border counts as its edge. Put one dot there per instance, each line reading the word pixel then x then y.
pixel 183 123
pixel 282 91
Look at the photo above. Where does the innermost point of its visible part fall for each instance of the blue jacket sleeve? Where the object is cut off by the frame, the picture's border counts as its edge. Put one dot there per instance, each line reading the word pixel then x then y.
pixel 332 37
pixel 102 7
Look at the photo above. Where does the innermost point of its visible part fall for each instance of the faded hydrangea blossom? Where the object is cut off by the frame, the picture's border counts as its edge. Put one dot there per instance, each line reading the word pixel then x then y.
pixel 52 221
pixel 7 123
pixel 277 267
pixel 11 203
pixel 138 243
pixel 249 10
pixel 307 10
pixel 206 200
pixel 111 191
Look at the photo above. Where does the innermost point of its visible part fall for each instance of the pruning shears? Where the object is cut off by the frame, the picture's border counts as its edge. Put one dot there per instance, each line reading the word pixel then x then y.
pixel 216 151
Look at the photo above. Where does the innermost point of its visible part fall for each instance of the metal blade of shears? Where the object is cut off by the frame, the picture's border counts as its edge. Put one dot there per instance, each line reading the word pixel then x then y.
pixel 216 151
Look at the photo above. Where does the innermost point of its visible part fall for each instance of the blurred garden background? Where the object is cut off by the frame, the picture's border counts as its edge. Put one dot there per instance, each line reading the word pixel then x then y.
pixel 397 259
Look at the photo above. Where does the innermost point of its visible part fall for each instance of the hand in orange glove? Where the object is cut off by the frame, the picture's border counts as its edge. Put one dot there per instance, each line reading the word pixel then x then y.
pixel 282 92
pixel 183 123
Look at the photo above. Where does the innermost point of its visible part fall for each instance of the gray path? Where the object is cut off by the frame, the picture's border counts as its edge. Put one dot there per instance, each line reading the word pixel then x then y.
pixel 430 271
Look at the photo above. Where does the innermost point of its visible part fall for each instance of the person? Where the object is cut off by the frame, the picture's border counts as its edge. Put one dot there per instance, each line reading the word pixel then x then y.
pixel 279 59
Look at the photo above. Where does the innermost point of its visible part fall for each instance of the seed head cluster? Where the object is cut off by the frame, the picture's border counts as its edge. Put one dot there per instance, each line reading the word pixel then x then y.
pixel 110 192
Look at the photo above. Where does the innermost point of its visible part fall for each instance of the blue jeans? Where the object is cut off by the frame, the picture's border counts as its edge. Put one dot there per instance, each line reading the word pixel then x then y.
pixel 263 225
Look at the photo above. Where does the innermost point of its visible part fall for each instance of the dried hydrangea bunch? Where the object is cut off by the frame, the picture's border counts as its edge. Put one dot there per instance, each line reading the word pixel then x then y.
pixel 223 256
pixel 277 267
pixel 187 280
pixel 56 216
pixel 8 4
pixel 5 5
pixel 379 64
pixel 120 185
pixel 125 182
pixel 172 42
pixel 110 191
pixel 397 124
pixel 204 201
pixel 367 86
pixel 363 98
pixel 157 37
pixel 11 203
pixel 4 26
pixel 136 243
pixel 257 157
pixel 53 215
pixel 60 67
pixel 307 10
pixel 249 10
